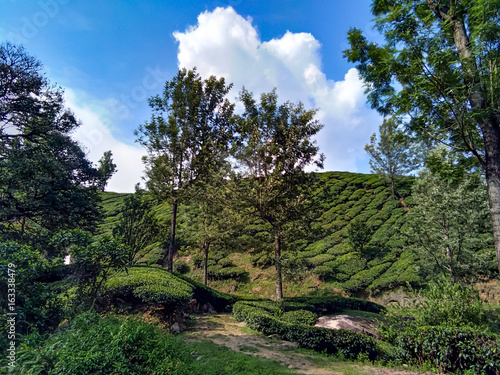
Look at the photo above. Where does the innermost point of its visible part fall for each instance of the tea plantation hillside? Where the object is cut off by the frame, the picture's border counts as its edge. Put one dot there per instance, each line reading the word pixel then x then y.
pixel 329 261
pixel 383 262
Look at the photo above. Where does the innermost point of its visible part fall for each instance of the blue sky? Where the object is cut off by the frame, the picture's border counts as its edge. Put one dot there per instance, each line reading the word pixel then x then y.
pixel 111 55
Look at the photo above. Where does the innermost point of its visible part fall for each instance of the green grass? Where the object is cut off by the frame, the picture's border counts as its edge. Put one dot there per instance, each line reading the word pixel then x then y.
pixel 116 345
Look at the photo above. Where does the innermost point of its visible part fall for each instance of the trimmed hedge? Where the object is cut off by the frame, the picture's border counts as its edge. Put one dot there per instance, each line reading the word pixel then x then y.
pixel 330 305
pixel 150 285
pixel 349 344
pixel 451 348
pixel 300 317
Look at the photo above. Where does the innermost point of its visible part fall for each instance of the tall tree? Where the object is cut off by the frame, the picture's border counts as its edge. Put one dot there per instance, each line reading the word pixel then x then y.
pixel 188 131
pixel 212 222
pixel 439 67
pixel 449 226
pixel 274 149
pixel 137 227
pixel 46 182
pixel 393 155
pixel 106 169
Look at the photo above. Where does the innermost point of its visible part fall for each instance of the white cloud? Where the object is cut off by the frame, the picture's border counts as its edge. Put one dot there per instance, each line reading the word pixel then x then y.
pixel 95 136
pixel 223 43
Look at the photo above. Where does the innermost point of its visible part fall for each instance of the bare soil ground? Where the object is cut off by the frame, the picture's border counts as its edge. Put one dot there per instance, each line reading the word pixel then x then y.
pixel 223 329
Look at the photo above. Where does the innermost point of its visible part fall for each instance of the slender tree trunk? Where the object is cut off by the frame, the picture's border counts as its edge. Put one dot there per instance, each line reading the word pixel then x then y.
pixel 206 247
pixel 449 255
pixel 492 141
pixel 23 225
pixel 277 260
pixel 169 256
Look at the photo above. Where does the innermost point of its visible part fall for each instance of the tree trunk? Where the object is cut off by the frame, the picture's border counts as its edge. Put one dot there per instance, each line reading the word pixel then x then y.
pixel 492 142
pixel 206 247
pixel 169 256
pixel 490 124
pixel 277 260
pixel 449 255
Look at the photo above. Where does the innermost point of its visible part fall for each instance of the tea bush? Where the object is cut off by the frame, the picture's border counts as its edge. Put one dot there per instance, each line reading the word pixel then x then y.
pixel 347 343
pixel 119 346
pixel 149 285
pixel 451 349
pixel 300 317
pixel 91 345
pixel 330 305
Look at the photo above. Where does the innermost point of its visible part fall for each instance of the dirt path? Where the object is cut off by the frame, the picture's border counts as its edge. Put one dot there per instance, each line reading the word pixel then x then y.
pixel 223 329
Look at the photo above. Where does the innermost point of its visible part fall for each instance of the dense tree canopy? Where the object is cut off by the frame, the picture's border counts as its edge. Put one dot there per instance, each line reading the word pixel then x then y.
pixel 439 68
pixel 274 148
pixel 393 154
pixel 46 182
pixel 449 226
pixel 106 169
pixel 185 139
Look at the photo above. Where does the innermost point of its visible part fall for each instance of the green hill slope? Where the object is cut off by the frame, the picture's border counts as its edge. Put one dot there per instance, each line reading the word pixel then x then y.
pixel 330 261
pixel 384 262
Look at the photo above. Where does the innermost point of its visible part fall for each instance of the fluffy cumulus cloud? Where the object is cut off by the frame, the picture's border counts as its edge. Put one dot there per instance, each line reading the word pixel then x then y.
pixel 223 43
pixel 95 137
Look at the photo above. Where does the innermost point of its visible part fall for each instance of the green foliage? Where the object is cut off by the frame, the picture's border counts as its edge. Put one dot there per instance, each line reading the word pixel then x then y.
pixel 137 226
pixel 221 302
pixel 299 317
pixel 92 262
pixel 359 234
pixel 181 267
pixel 224 273
pixel 33 302
pixel 149 285
pixel 450 225
pixel 112 204
pixel 347 343
pixel 114 345
pixel 393 155
pixel 450 305
pixel 186 139
pixel 46 181
pixel 273 148
pixel 330 305
pixel 444 81
pixel 91 345
pixel 106 169
pixel 450 349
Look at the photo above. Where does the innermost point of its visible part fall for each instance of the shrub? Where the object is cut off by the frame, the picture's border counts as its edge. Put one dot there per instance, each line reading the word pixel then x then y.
pixel 300 317
pixel 150 285
pixel 36 305
pixel 218 273
pixel 450 348
pixel 181 267
pixel 349 344
pixel 320 259
pixel 91 345
pixel 450 304
pixel 330 305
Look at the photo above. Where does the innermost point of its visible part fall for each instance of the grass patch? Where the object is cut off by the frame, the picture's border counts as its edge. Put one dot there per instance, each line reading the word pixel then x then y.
pixel 213 359
pixel 248 348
